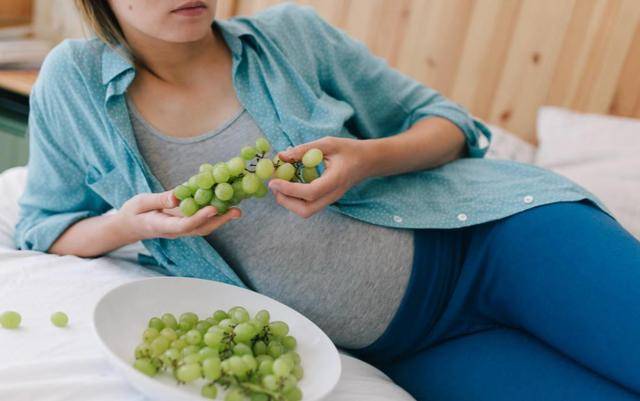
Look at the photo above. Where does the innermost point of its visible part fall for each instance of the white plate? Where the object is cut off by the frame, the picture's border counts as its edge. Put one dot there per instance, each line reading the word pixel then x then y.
pixel 122 314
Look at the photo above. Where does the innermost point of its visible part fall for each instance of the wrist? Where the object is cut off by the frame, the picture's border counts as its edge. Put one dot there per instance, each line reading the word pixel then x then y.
pixel 372 157
pixel 123 228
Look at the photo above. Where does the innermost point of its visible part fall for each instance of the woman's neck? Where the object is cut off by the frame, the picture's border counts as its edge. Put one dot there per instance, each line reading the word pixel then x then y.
pixel 177 63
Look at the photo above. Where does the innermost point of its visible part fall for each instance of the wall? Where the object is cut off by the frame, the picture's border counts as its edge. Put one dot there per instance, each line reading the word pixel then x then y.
pixel 502 59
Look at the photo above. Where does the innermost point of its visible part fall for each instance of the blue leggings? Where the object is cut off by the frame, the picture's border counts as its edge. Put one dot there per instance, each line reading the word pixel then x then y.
pixel 542 305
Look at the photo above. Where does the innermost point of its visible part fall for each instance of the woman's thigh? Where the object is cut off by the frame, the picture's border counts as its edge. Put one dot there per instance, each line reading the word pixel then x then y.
pixel 500 364
pixel 566 273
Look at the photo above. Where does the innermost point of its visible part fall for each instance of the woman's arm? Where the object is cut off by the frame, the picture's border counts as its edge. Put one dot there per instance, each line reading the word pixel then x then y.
pixel 142 217
pixel 427 144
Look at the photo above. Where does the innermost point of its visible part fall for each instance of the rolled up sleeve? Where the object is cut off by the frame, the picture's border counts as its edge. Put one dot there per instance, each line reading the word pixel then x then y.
pixel 385 101
pixel 56 195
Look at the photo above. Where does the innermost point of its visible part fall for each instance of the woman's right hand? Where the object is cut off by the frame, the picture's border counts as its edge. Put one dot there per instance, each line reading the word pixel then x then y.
pixel 147 216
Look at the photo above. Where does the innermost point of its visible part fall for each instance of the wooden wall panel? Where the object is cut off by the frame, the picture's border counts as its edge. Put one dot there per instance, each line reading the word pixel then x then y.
pixel 15 10
pixel 502 59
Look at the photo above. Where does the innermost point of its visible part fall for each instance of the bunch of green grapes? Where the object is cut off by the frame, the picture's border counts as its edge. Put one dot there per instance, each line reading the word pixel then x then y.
pixel 226 184
pixel 255 359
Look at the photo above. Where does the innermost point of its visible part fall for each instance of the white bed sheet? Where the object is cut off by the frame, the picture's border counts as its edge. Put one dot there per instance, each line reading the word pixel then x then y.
pixel 42 362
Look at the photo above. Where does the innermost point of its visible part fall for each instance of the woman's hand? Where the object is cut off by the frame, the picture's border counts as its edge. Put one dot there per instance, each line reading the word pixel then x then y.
pixel 345 165
pixel 148 216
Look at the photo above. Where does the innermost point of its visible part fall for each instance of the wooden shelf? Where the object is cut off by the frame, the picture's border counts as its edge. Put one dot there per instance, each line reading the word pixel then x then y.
pixel 18 81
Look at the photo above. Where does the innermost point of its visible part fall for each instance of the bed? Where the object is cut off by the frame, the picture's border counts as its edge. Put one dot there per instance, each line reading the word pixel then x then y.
pixel 41 362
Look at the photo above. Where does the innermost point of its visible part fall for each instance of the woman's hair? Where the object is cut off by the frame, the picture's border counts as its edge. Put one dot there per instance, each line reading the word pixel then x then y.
pixel 100 18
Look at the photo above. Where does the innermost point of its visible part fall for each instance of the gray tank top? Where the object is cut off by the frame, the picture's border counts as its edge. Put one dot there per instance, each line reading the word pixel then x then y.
pixel 345 275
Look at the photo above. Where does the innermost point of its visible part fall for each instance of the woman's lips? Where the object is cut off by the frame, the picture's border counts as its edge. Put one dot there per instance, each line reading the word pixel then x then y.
pixel 192 11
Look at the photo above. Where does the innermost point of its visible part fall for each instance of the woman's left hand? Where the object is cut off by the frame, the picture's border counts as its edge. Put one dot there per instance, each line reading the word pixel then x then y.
pixel 345 165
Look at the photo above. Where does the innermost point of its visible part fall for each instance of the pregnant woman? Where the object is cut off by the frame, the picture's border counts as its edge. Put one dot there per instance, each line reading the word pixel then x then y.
pixel 461 278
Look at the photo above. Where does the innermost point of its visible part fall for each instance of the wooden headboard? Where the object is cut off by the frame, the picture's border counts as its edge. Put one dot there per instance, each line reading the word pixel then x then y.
pixel 501 59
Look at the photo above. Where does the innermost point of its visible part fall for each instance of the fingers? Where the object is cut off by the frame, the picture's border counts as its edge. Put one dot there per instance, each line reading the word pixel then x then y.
pixel 303 208
pixel 312 191
pixel 215 223
pixel 202 223
pixel 147 202
pixel 326 145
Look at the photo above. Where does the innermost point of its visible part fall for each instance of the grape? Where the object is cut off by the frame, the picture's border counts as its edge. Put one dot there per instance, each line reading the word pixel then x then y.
pixel 10 320
pixel 289 342
pixel 192 184
pixel 235 166
pixel 208 352
pixel 237 366
pixel 259 348
pixel 250 183
pixel 156 323
pixel 293 394
pixel 213 337
pixel 189 317
pixel 203 196
pixel 221 173
pixel 150 334
pixel 275 349
pixel 312 157
pixel 169 321
pixel 145 366
pixel 282 367
pixel 189 372
pixel 259 397
pixel 244 332
pixel 59 319
pixel 309 174
pixel 234 394
pixel 211 368
pixel 298 372
pixel 249 361
pixel 191 358
pixel 179 344
pixel 159 345
pixel 266 367
pixel 279 329
pixel 209 391
pixel 204 180
pixel 270 382
pixel 237 189
pixel 206 167
pixel 220 315
pixel 182 192
pixel 248 152
pixel 263 145
pixel 189 350
pixel 239 313
pixel 286 172
pixel 188 207
pixel 220 205
pixel 169 333
pixel 171 355
pixel 264 169
pixel 242 349
pixel 193 337
pixel 276 160
pixel 142 351
pixel 224 191
pixel 203 326
pixel 227 323
pixel 262 190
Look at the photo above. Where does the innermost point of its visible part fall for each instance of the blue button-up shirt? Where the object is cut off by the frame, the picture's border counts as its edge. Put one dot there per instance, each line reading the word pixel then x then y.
pixel 300 79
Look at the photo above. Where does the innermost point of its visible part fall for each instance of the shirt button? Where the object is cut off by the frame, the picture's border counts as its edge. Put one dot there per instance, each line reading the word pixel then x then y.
pixel 528 199
pixel 462 217
pixel 397 219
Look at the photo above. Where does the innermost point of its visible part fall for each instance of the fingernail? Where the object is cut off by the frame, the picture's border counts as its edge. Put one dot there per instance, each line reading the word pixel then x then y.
pixel 211 214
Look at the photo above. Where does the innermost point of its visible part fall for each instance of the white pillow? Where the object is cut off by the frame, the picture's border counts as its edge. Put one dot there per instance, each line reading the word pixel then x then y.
pixel 12 183
pixel 601 153
pixel 505 145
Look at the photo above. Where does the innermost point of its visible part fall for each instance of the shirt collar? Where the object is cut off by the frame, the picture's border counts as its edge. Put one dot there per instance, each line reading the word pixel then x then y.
pixel 115 62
